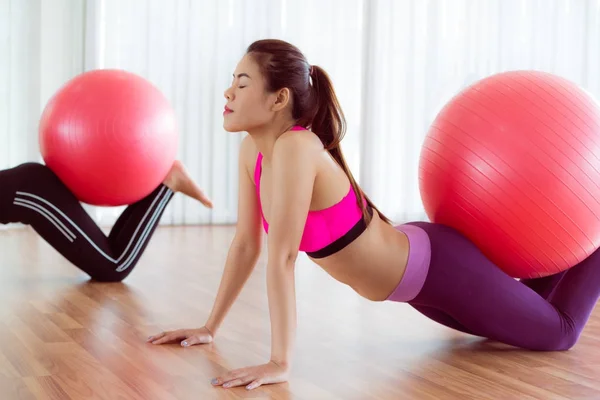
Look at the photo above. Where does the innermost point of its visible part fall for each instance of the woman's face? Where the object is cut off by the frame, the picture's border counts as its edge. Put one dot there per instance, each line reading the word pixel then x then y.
pixel 249 105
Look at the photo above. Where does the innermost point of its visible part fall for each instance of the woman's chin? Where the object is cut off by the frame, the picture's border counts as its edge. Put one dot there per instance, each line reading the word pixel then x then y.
pixel 229 127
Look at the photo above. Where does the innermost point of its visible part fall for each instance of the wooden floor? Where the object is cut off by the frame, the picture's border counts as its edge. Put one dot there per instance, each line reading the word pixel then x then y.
pixel 62 337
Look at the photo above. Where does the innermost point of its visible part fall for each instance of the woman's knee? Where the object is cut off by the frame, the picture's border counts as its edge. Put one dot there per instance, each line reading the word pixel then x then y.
pixel 108 276
pixel 109 273
pixel 565 340
pixel 569 341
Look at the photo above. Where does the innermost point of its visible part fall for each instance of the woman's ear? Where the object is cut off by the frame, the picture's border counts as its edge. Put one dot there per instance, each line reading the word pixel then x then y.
pixel 282 99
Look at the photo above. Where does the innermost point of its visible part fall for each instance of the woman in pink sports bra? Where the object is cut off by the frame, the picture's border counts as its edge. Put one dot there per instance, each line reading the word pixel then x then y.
pixel 295 186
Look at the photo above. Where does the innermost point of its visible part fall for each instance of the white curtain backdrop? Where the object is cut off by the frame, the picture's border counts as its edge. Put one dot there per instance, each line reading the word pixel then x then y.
pixel 40 48
pixel 394 64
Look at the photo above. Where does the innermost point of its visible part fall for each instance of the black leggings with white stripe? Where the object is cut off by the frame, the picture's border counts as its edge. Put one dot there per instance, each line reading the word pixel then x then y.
pixel 33 195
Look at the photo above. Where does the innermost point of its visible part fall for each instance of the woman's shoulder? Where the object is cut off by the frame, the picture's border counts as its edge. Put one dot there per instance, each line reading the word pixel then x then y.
pixel 298 142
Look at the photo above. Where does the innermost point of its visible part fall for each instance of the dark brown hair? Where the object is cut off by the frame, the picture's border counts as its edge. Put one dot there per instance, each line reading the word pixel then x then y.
pixel 315 106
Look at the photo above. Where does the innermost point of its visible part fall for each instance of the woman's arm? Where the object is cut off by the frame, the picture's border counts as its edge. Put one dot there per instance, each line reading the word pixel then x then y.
pixel 243 254
pixel 293 177
pixel 294 171
pixel 238 267
pixel 246 245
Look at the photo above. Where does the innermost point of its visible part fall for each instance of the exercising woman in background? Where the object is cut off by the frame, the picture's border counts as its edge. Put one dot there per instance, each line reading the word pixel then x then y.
pixel 33 195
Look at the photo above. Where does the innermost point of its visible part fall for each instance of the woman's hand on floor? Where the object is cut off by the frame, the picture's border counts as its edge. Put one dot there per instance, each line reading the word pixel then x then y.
pixel 253 377
pixel 188 337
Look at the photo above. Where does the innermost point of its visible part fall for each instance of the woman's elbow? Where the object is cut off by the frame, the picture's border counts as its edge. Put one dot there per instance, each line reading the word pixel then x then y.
pixel 283 259
pixel 250 246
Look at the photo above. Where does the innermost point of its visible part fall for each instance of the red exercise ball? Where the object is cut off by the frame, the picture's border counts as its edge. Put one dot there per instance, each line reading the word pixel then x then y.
pixel 513 163
pixel 110 136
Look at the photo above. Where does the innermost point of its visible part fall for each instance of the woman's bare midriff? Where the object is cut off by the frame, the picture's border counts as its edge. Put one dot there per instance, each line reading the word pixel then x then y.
pixel 373 264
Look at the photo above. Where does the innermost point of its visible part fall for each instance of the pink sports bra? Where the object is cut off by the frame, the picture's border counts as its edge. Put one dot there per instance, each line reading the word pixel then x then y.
pixel 326 231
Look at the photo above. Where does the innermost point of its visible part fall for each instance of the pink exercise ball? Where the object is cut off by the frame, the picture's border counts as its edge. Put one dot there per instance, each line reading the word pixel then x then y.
pixel 110 136
pixel 513 163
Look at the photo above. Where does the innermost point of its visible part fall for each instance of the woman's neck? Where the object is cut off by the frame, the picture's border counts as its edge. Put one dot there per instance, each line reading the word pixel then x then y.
pixel 266 136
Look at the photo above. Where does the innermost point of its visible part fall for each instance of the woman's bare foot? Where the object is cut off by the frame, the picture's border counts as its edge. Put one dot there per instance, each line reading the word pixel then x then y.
pixel 178 180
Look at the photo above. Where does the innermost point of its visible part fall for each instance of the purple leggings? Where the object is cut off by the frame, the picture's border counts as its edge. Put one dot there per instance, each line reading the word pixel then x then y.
pixel 465 291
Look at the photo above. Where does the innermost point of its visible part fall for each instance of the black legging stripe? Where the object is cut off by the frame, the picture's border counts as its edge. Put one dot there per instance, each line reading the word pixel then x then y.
pixel 33 195
pixel 55 214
